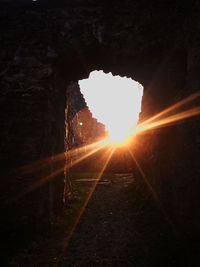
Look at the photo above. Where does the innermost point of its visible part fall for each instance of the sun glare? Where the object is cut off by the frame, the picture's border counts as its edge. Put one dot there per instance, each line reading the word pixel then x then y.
pixel 115 102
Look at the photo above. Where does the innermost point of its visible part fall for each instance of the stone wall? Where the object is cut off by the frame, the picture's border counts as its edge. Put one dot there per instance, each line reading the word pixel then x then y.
pixel 45 47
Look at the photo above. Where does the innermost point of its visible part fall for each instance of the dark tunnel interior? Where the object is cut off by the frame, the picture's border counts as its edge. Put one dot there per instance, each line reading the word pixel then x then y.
pixel 46 48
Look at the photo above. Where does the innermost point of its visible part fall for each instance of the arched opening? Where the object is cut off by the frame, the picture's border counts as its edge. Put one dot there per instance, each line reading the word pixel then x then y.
pixel 113 101
pixel 107 110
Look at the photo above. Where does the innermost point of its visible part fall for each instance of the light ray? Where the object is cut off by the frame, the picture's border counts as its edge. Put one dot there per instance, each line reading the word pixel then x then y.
pixel 168 120
pixel 173 107
pixel 56 172
pixel 87 147
pixel 156 198
pixel 50 176
pixel 111 150
pixel 85 156
pixel 40 164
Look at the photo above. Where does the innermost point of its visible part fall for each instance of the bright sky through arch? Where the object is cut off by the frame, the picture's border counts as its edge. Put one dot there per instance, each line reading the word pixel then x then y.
pixel 114 101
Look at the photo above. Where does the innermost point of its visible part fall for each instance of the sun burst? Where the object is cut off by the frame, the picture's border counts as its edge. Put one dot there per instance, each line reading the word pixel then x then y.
pixel 114 101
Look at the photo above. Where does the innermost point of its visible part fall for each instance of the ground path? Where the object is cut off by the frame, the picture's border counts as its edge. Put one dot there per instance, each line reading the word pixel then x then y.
pixel 107 234
pixel 106 229
pixel 120 226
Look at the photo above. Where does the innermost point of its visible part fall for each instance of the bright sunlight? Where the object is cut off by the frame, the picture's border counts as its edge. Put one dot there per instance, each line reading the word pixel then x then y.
pixel 114 101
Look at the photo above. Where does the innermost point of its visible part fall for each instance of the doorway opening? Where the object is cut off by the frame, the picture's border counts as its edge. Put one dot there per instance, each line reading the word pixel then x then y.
pixel 115 102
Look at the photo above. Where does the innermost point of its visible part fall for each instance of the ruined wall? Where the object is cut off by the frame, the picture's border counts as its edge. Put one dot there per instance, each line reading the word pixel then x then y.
pixel 43 48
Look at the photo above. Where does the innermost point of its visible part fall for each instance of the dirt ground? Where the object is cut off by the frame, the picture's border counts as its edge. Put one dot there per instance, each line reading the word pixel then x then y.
pixel 114 232
pixel 106 230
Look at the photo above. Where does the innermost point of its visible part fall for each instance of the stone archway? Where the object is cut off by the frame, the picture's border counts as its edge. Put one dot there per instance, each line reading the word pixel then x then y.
pixel 45 49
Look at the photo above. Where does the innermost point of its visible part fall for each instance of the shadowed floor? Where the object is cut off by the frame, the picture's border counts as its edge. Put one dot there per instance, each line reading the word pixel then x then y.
pixel 106 229
pixel 113 230
pixel 122 226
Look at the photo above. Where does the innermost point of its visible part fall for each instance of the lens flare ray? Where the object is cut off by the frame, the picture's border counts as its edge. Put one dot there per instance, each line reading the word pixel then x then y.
pixel 85 156
pixel 111 151
pixel 173 107
pixel 58 171
pixel 156 198
pixel 168 120
pixel 50 176
pixel 41 164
